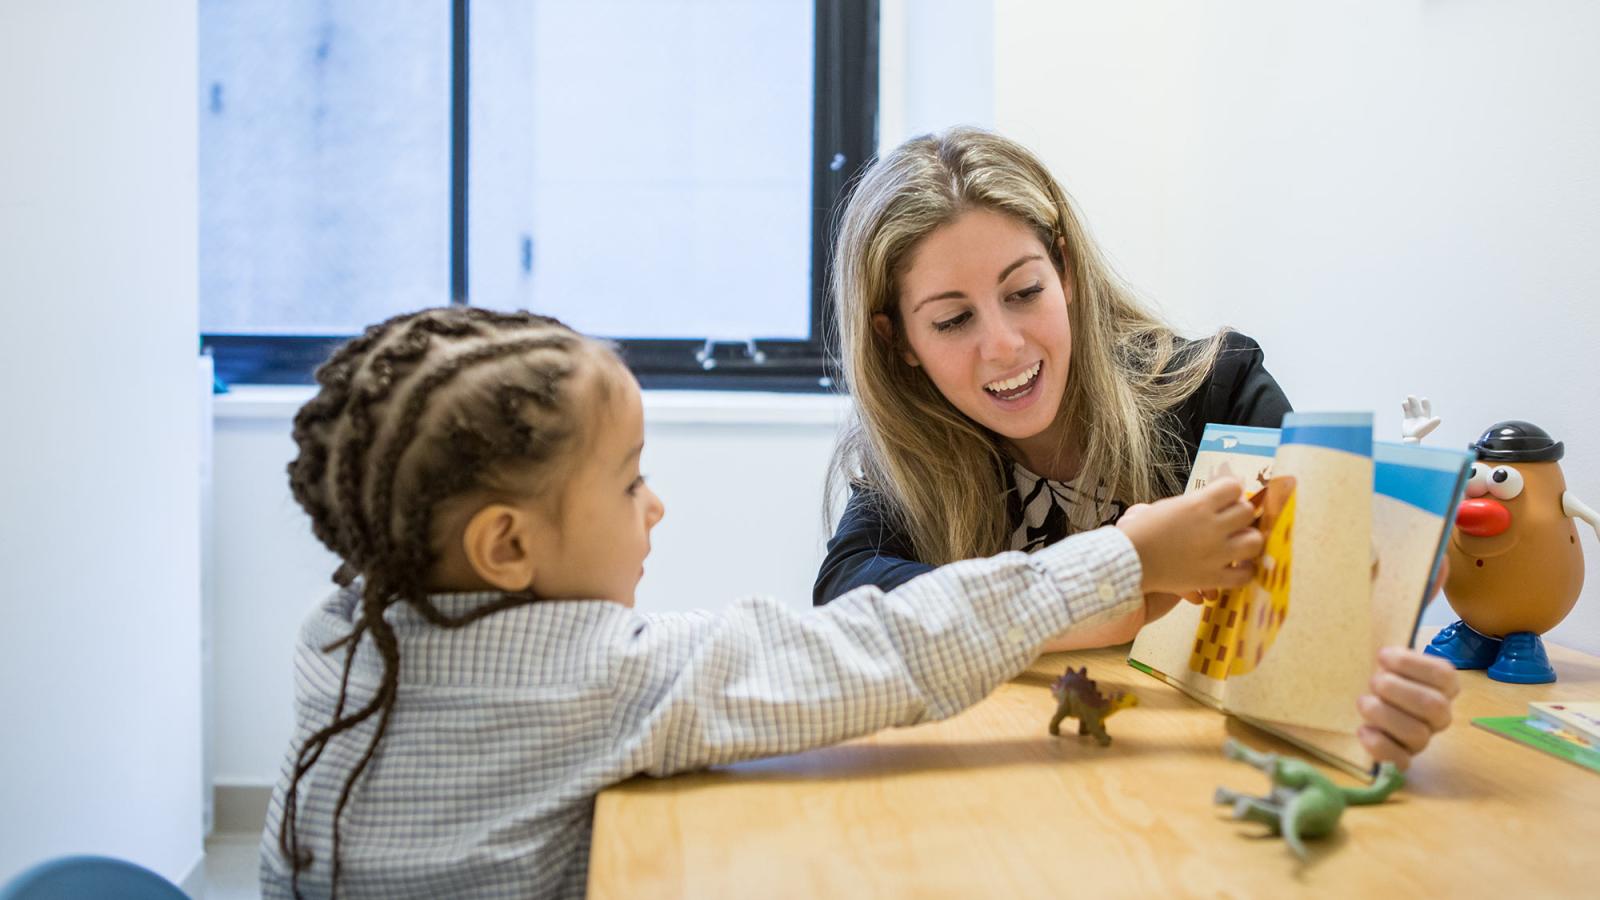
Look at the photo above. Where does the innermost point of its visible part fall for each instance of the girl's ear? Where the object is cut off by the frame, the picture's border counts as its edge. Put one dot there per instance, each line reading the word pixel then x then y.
pixel 885 331
pixel 499 542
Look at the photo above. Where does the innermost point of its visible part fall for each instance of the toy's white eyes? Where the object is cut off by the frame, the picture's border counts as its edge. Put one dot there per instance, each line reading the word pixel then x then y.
pixel 1505 482
pixel 1478 481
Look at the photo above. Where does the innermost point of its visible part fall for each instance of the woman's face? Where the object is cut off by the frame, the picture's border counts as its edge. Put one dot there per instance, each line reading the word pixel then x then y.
pixel 985 316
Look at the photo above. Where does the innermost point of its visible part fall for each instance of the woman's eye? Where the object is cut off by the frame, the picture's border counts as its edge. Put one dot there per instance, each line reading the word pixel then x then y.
pixel 952 323
pixel 637 483
pixel 1027 293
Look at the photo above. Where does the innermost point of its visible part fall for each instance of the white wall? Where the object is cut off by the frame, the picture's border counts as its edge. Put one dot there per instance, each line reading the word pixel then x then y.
pixel 99 505
pixel 1392 196
pixel 935 67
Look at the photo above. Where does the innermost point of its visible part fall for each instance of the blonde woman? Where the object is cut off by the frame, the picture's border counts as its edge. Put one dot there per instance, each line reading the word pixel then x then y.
pixel 1010 390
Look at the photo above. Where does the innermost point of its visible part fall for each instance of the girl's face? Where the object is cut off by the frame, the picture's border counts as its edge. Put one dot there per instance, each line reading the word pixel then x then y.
pixel 985 316
pixel 596 548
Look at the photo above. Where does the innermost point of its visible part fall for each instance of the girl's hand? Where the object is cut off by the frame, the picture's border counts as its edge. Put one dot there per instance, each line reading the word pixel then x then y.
pixel 1195 541
pixel 1155 605
pixel 1409 704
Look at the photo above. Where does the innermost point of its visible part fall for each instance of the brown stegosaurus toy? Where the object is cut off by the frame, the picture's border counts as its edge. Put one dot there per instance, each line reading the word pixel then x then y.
pixel 1080 698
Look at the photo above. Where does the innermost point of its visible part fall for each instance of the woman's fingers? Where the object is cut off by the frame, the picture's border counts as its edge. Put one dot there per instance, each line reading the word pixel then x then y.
pixel 1423 702
pixel 1398 725
pixel 1382 747
pixel 1416 666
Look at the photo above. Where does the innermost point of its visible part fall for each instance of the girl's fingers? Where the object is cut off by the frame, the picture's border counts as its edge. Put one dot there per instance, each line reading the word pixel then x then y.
pixel 1245 545
pixel 1136 510
pixel 1222 493
pixel 1236 575
pixel 1236 516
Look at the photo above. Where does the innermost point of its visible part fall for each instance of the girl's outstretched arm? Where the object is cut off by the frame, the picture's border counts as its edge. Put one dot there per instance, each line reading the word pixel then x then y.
pixel 761 679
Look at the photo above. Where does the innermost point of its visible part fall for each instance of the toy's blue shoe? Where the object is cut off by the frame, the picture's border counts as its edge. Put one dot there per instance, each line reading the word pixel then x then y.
pixel 1522 660
pixel 1464 648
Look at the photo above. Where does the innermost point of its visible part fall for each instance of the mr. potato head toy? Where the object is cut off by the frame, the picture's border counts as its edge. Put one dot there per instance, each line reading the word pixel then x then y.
pixel 1516 567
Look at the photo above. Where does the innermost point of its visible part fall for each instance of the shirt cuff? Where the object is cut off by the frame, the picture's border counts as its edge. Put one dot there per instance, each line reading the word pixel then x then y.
pixel 1099 572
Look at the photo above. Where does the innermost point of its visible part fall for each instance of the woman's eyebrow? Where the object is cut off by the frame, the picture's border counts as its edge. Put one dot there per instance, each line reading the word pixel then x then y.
pixel 958 295
pixel 1013 267
pixel 947 295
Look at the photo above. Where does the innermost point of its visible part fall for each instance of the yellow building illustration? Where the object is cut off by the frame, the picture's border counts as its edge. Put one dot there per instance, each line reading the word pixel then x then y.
pixel 1238 627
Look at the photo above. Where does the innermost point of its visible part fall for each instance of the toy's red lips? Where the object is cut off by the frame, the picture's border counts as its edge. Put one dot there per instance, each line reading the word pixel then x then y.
pixel 1482 517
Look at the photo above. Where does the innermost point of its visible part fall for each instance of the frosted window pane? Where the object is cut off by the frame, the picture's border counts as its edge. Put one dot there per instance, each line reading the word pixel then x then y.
pixel 324 163
pixel 641 168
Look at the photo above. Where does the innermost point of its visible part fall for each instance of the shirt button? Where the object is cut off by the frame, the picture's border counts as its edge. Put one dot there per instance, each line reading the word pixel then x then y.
pixel 1014 634
pixel 1107 592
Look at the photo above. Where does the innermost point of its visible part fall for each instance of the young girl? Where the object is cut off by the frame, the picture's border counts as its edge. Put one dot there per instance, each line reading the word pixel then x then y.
pixel 1010 391
pixel 481 673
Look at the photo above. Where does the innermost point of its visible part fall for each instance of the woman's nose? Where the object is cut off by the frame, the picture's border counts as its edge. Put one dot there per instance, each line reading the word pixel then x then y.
pixel 1001 340
pixel 657 509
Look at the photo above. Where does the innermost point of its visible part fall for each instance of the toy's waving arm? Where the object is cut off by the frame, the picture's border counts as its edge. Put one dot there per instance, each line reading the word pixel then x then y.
pixel 1577 509
pixel 1419 419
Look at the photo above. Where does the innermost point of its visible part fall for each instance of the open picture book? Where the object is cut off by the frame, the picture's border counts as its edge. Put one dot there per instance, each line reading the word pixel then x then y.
pixel 1355 532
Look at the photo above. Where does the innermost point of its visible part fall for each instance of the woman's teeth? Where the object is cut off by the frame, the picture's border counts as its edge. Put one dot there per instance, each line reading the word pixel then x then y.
pixel 1011 384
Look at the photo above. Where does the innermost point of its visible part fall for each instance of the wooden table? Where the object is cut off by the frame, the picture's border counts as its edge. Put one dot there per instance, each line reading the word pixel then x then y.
pixel 986 804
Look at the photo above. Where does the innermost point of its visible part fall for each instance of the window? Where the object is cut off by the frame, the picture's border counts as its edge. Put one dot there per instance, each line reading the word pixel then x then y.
pixel 660 172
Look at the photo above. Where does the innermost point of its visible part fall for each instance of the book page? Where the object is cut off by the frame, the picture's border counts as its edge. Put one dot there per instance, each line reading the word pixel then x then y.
pixel 1175 647
pixel 1316 659
pixel 1336 748
pixel 1416 492
pixel 1304 636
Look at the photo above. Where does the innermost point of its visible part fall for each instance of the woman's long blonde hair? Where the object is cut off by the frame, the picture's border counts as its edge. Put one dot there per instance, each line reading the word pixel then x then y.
pixel 938 475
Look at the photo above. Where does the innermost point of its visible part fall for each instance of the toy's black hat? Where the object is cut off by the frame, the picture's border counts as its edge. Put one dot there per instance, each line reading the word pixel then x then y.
pixel 1517 441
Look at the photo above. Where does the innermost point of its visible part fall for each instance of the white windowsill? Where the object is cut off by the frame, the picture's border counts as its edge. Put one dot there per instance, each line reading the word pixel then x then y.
pixel 660 407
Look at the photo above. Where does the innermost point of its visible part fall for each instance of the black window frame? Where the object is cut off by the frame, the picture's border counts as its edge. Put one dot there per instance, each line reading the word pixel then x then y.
pixel 844 137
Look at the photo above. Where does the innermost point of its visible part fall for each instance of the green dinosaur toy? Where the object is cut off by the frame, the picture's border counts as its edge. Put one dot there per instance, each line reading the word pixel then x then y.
pixel 1078 696
pixel 1303 802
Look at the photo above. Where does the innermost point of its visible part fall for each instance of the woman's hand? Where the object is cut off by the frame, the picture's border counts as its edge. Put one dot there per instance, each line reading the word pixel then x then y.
pixel 1410 699
pixel 1409 704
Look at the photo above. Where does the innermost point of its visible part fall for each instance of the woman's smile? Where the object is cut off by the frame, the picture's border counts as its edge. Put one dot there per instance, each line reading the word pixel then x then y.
pixel 1018 390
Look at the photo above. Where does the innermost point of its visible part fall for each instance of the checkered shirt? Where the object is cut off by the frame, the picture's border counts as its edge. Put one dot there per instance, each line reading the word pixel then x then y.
pixel 504 730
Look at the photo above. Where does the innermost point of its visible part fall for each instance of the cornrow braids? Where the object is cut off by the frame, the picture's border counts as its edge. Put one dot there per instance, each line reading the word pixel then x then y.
pixel 418 409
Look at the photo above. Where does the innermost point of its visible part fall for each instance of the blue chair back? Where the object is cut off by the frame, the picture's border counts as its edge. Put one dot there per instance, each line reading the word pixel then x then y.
pixel 89 878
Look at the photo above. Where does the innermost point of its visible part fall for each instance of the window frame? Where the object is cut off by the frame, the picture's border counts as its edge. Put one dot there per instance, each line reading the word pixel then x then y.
pixel 844 138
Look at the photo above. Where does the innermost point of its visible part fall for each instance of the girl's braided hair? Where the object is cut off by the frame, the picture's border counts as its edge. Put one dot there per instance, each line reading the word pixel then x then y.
pixel 419 409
